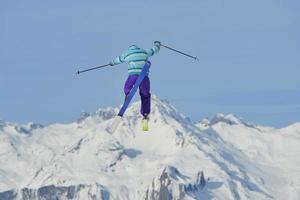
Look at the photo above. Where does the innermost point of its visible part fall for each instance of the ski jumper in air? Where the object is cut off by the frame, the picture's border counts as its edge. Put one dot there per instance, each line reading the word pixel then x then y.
pixel 138 78
pixel 137 58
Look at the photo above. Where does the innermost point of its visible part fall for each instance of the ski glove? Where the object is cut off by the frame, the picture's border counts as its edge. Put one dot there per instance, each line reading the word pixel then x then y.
pixel 158 43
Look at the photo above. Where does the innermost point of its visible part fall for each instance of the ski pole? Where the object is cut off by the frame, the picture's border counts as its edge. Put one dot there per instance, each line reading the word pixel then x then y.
pixel 179 52
pixel 78 72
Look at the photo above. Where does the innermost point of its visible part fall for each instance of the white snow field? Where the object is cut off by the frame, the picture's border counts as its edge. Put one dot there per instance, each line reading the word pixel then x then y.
pixel 81 160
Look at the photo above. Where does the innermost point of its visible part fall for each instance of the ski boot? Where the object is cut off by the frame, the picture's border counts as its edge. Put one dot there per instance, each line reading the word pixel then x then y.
pixel 145 122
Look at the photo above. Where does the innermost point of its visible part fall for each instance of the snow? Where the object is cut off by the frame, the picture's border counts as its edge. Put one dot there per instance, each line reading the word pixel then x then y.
pixel 239 160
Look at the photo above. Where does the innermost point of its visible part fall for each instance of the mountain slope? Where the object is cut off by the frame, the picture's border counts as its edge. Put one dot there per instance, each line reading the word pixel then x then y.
pixel 221 158
pixel 274 151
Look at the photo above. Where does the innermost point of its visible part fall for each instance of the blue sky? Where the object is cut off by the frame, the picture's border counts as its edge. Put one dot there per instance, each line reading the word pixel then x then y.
pixel 248 50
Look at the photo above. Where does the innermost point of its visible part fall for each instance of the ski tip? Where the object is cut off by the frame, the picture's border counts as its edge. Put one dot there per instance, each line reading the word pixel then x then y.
pixel 114 125
pixel 109 130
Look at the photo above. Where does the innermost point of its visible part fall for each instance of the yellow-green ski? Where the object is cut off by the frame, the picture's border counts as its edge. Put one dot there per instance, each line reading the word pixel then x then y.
pixel 145 125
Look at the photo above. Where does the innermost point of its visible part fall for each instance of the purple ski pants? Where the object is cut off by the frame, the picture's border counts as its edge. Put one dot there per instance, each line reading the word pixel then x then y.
pixel 144 92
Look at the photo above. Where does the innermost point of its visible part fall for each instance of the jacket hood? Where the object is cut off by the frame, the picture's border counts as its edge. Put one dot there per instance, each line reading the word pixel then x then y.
pixel 134 47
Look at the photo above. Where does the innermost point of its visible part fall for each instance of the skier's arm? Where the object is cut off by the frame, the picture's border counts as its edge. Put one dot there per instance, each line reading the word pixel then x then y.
pixel 154 49
pixel 117 60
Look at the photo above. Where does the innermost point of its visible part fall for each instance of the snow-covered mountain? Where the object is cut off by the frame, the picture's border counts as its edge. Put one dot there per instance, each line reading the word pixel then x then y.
pixel 219 158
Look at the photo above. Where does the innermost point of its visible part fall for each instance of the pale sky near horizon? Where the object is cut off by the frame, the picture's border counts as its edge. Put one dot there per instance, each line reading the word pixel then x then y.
pixel 248 50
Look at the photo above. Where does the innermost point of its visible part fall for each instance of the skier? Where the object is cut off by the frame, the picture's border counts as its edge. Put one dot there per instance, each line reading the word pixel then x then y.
pixel 136 58
pixel 138 71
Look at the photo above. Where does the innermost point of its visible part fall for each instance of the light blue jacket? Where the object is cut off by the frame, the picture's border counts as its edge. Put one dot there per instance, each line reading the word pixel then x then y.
pixel 135 57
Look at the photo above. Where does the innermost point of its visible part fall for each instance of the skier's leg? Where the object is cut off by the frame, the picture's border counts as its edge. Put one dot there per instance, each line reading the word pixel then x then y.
pixel 145 96
pixel 129 84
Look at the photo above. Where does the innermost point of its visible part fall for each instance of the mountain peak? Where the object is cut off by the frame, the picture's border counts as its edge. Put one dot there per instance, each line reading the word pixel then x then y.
pixel 27 128
pixel 160 109
pixel 230 119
